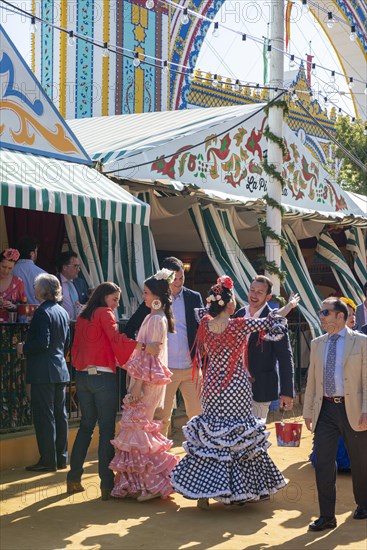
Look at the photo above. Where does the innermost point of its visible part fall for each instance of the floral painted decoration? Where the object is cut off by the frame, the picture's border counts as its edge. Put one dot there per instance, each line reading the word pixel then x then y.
pixel 11 254
pixel 165 274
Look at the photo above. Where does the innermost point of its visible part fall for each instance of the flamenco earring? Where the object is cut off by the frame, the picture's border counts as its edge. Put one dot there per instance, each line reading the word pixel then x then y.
pixel 156 304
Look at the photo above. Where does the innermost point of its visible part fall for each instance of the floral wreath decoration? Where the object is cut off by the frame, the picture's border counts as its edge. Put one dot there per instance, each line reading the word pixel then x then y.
pixel 11 254
pixel 216 295
pixel 166 275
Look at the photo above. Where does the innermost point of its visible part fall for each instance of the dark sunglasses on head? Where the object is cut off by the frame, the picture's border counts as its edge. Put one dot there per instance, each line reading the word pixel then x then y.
pixel 325 312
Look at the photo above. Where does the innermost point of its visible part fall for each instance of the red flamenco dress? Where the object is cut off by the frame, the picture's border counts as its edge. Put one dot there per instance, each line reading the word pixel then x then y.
pixel 142 462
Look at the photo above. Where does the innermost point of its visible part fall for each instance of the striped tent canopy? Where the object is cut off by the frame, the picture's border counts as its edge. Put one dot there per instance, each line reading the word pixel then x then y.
pixel 50 185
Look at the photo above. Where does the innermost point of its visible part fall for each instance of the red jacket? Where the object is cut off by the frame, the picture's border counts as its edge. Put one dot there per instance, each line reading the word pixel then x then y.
pixel 98 341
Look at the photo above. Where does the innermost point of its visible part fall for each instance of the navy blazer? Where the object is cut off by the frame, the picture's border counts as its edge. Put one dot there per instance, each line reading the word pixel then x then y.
pixel 262 363
pixel 192 300
pixel 360 316
pixel 47 342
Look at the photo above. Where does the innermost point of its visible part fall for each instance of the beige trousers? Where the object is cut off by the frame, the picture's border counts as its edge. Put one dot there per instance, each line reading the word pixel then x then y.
pixel 181 380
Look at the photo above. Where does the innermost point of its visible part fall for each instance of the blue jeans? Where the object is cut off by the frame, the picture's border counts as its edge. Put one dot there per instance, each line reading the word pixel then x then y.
pixel 97 395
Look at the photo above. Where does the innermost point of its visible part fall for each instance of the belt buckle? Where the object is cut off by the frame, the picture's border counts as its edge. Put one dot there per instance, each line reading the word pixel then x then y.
pixel 92 370
pixel 338 400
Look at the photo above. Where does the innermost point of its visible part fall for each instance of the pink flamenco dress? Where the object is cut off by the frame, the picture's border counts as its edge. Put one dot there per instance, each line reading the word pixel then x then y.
pixel 142 462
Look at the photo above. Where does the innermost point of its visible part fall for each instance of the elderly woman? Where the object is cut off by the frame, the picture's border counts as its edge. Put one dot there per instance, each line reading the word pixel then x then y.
pixel 47 372
pixel 11 287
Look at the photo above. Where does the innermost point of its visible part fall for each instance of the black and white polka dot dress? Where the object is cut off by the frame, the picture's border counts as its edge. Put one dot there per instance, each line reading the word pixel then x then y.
pixel 226 446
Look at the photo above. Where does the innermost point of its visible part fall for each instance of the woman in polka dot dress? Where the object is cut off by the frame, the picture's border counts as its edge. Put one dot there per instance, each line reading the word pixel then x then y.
pixel 226 446
pixel 142 462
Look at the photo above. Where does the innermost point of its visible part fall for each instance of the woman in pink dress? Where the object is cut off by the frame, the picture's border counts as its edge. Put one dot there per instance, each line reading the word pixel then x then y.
pixel 11 287
pixel 142 462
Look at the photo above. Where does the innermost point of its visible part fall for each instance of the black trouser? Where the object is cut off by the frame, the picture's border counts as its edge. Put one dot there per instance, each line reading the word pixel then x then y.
pixel 50 422
pixel 332 423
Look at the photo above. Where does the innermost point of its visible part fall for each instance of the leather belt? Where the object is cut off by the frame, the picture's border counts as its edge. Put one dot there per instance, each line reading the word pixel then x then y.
pixel 336 399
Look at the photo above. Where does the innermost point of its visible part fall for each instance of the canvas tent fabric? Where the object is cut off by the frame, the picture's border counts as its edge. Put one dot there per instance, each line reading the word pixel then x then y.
pixel 217 150
pixel 330 254
pixel 51 185
pixel 356 244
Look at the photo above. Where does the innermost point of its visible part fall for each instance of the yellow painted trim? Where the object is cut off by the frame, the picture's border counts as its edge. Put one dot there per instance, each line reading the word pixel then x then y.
pixel 105 60
pixel 336 52
pixel 139 86
pixel 63 56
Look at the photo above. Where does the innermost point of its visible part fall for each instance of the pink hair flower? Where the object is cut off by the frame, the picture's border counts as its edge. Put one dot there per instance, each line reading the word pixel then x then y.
pixel 11 254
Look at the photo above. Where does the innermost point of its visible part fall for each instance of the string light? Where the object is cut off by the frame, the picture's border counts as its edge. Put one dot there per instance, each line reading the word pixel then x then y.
pixel 33 26
pixel 292 63
pixel 313 69
pixel 351 83
pixel 216 29
pixel 332 78
pixel 71 39
pixel 325 100
pixel 330 20
pixel 190 74
pixel 236 87
pixel 353 34
pixel 268 52
pixel 149 4
pixel 136 61
pixel 165 68
pixel 353 120
pixel 305 6
pixel 365 130
pixel 365 90
pixel 185 17
pixel 105 52
pixel 215 81
pixel 294 96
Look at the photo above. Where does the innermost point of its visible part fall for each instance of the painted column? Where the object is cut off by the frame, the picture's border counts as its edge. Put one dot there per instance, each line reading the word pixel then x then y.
pixel 275 155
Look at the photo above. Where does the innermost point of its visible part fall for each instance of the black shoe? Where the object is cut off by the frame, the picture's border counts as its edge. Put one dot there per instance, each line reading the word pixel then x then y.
pixel 322 523
pixel 40 468
pixel 360 512
pixel 106 494
pixel 62 466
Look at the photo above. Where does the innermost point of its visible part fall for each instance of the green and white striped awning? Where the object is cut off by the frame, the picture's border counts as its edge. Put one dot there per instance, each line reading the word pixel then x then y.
pixel 50 185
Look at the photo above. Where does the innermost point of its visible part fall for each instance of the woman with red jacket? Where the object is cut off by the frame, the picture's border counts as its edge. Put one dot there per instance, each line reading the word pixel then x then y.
pixel 98 347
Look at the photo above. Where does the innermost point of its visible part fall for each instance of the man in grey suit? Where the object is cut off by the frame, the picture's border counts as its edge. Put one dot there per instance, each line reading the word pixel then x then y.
pixel 336 404
pixel 361 312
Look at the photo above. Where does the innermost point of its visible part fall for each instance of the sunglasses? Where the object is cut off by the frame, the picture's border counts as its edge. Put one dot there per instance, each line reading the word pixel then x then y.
pixel 325 312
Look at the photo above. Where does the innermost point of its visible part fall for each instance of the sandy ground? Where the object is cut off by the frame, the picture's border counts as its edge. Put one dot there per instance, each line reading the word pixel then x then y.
pixel 38 514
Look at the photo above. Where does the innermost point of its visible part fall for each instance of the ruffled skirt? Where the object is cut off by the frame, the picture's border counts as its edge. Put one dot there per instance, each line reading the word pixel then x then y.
pixel 226 460
pixel 142 463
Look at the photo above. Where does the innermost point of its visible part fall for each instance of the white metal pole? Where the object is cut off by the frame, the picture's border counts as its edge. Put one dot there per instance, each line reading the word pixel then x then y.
pixel 275 155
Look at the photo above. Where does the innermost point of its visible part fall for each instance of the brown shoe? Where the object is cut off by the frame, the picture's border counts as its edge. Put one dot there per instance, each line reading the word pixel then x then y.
pixel 74 487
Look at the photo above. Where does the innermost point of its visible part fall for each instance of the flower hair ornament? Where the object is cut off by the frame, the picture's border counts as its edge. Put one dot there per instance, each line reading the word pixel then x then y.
pixel 216 290
pixel 11 254
pixel 165 274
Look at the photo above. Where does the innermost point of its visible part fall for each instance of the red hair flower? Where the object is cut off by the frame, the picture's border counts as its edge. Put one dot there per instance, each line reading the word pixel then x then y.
pixel 226 282
pixel 11 254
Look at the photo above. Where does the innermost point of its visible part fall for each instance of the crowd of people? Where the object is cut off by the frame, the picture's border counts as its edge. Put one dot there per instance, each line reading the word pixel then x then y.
pixel 228 365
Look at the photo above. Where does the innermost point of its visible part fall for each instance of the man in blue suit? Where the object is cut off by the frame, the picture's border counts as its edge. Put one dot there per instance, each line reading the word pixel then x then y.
pixel 361 312
pixel 47 372
pixel 270 364
pixel 180 344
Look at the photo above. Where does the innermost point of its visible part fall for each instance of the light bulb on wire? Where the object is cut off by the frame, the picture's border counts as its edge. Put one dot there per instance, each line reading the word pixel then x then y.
pixel 165 68
pixel 292 62
pixel 365 90
pixel 236 87
pixel 190 74
pixel 352 120
pixel 332 77
pixel 365 130
pixel 149 4
pixel 71 39
pixel 33 26
pixel 268 52
pixel 313 69
pixel 216 29
pixel 330 20
pixel 351 83
pixel 353 35
pixel 294 96
pixel 305 6
pixel 136 61
pixel 106 52
pixel 185 17
pixel 215 81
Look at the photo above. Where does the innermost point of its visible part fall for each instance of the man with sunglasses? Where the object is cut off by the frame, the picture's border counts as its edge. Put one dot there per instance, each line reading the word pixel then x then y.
pixel 336 404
